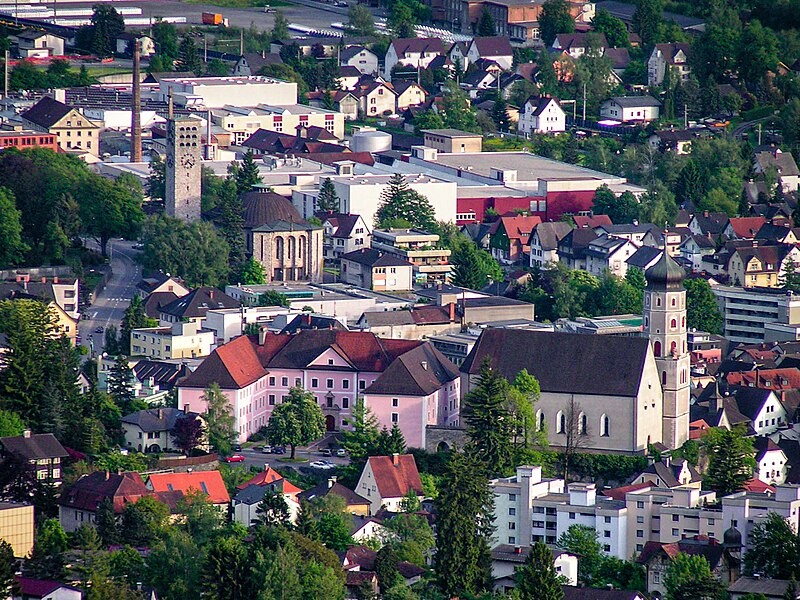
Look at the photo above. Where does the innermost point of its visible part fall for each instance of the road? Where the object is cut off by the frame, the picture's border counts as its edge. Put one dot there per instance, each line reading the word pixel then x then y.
pixel 255 458
pixel 110 304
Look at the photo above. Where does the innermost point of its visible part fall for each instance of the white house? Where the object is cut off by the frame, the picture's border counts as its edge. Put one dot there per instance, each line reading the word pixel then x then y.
pixel 663 56
pixel 609 252
pixel 364 529
pixel 386 480
pixel 245 503
pixel 361 58
pixel 695 247
pixel 544 242
pixel 344 233
pixel 630 109
pixel 38 589
pixel 39 44
pixel 496 48
pixel 416 53
pixel 151 430
pixel 507 558
pixel 784 166
pixel 771 461
pixel 540 114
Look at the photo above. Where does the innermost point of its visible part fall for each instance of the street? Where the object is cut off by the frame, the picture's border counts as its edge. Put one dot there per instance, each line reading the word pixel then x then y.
pixel 110 304
pixel 255 458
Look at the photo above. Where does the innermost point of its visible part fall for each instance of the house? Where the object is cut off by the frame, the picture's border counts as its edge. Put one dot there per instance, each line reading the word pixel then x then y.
pixel 74 131
pixel 386 480
pixel 771 589
pixel 452 140
pixel 678 141
pixel 245 503
pixel 506 559
pixel 344 102
pixel 344 233
pixel 745 228
pixel 711 224
pixel 361 58
pixel 161 282
pixel 669 474
pixel 413 53
pixel 635 232
pixel 577 44
pixel 477 81
pixel 573 246
pixel 496 48
pixel 509 239
pixel 544 242
pixel 357 581
pixel 541 114
pixel 180 340
pixel 780 234
pixel 771 461
pixel 16 527
pixel 608 252
pixel 376 99
pixel 209 483
pixel 77 505
pixel 668 56
pixel 409 93
pixel 620 59
pixel 124 44
pixel 644 258
pixel 39 44
pixel 193 306
pixel 761 266
pixel 695 248
pixel 783 166
pixel 305 140
pixel 567 367
pixel 631 109
pixel 40 589
pixel 336 366
pixel 251 63
pixel 41 453
pixel 457 55
pixel 151 430
pixel 760 411
pixel 374 270
pixel 591 221
pixel 347 78
pixel 64 323
pixel 420 248
pixel 354 504
pixel 365 529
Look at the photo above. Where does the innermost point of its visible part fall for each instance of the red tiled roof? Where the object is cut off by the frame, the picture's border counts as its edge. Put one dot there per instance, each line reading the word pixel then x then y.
pixel 697 429
pixel 270 475
pixel 90 490
pixel 395 475
pixel 758 486
pixel 363 556
pixel 619 493
pixel 234 365
pixel 424 315
pixel 747 227
pixel 582 222
pixel 770 379
pixel 209 482
pixel 652 548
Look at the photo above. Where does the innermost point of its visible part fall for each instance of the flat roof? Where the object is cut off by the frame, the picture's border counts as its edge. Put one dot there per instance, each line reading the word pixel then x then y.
pixel 268 109
pixel 24 132
pixel 232 80
pixel 452 133
pixel 381 179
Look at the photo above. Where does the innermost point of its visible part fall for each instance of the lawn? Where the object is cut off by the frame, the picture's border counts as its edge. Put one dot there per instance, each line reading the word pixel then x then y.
pixel 100 70
pixel 242 3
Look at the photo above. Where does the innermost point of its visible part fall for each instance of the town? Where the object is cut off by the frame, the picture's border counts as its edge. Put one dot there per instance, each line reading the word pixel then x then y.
pixel 400 300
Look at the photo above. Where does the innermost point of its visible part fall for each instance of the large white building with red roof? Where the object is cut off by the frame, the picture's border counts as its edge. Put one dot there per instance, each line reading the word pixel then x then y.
pixel 403 382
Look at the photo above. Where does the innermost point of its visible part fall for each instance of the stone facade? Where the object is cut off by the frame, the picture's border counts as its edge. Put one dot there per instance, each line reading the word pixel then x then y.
pixel 293 255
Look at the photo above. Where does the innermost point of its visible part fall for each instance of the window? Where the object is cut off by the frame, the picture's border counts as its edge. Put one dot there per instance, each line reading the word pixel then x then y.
pixel 606 547
pixel 606 519
pixel 540 421
pixel 606 534
pixel 284 381
pixel 512 511
pixel 639 533
pixel 640 504
pixel 561 422
pixel 297 382
pixel 345 384
pixel 395 417
pixel 512 539
pixel 272 399
pixel 676 518
pixel 657 348
pixel 362 384
pixel 675 532
pixel 345 402
pixel 583 422
pixel 272 381
pixel 572 516
pixel 657 577
pixel 512 497
pixel 640 519
pixel 314 382
pixel 395 402
pixel 512 525
pixel 605 426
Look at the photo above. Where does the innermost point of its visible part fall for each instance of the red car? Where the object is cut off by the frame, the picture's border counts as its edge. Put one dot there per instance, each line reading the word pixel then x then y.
pixel 234 458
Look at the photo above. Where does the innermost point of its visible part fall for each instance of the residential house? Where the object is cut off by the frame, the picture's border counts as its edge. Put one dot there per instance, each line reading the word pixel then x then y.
pixel 591 221
pixel 361 58
pixel 458 54
pixel 343 101
pixel 16 527
pixel 507 558
pixel 209 483
pixel 634 232
pixel 336 366
pixel 668 56
pixel 348 78
pixel 413 53
pixel 180 340
pixel 608 252
pixel 64 292
pixel 760 411
pixel 620 59
pixel 771 461
pixel 251 493
pixel 678 141
pixel 27 588
pixel 544 242
pixel 586 593
pixel 344 233
pixel 779 234
pixel 711 224
pixel 374 270
pixel 41 453
pixel 363 529
pixel 631 109
pixel 695 248
pixel 354 504
pixel 745 228
pixel 670 474
pixel 305 140
pixel 644 258
pixel 783 166
pixel 152 430
pixel 541 114
pixel 478 81
pixel 496 48
pixel 510 238
pixel 124 44
pixel 193 306
pixel 409 93
pixel 161 282
pixel 420 248
pixel 74 131
pixel 573 246
pixel 567 365
pixel 251 63
pixel 761 266
pixel 578 44
pixel 376 99
pixel 39 43
pixel 386 480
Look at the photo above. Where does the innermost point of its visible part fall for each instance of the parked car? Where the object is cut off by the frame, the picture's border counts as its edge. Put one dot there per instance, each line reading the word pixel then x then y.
pixel 237 447
pixel 322 464
pixel 266 450
pixel 341 452
pixel 279 450
pixel 326 452
pixel 234 458
pixel 99 330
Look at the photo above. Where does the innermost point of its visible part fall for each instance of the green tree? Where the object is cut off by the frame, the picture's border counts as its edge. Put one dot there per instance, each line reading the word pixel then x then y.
pixel 165 35
pixel 144 521
pixel 622 209
pixel 188 57
pixel 246 175
pixel 273 298
pixel 647 19
pixel 111 208
pixel 614 29
pixel 12 246
pixel 486 418
pixel 272 510
pixel 399 201
pixel 252 273
pixel 690 186
pixel 486 25
pixel 360 20
pixel 280 27
pixel 120 385
pixel 10 424
pixel 582 539
pixel 297 421
pixel 333 529
pixel 402 20
pixel 386 567
pixel 328 199
pixel 217 68
pixel 537 578
pixel 226 570
pixel 47 561
pixel 464 513
pixel 8 569
pixel 773 549
pixel 657 205
pixel 361 438
pixel 455 108
pixel 731 460
pixel 231 224
pixel 702 309
pixel 174 566
pixel 219 418
pixel 790 278
pixel 758 52
pixel 689 577
pixel 473 267
pixel 106 522
pixel 107 25
pixel 156 181
pixel 500 114
pixel 188 434
pixel 554 19
pixel 134 318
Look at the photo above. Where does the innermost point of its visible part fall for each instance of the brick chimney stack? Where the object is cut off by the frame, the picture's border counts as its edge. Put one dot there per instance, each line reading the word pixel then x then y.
pixel 395 459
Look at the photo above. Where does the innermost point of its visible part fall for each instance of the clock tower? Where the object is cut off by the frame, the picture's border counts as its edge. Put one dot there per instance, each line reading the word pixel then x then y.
pixel 183 169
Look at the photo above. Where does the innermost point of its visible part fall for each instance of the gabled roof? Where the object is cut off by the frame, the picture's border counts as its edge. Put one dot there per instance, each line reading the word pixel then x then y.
pixel 419 372
pixel 588 593
pixel 782 161
pixel 36 446
pixel 746 227
pixel 620 57
pixel 91 489
pixel 369 257
pixel 518 228
pixel 47 112
pixel 268 477
pixel 156 301
pixel 567 41
pixel 770 257
pixel 709 549
pixel 405 46
pixel 343 222
pixel 762 445
pixel 198 302
pixel 670 51
pixel 353 51
pixel 771 232
pixel 711 222
pixel 619 493
pixel 337 489
pixel 634 101
pixel 668 473
pixel 39 588
pixel 643 257
pixel 493 46
pixel 550 233
pixel 164 374
pixel 564 362
pixel 348 71
pixel 234 365
pixel 395 475
pixel 154 419
pixel 208 482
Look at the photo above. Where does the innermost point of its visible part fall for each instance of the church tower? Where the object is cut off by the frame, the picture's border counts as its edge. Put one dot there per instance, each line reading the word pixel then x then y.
pixel 665 325
pixel 183 168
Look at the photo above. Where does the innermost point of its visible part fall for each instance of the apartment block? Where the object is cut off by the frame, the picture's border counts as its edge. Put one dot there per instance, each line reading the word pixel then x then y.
pixel 16 527
pixel 181 340
pixel 758 315
pixel 420 248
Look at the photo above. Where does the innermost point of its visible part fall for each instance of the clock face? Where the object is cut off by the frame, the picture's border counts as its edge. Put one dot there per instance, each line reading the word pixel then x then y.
pixel 187 162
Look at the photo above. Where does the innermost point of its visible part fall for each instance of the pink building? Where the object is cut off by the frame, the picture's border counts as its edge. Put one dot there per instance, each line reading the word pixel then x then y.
pixel 407 382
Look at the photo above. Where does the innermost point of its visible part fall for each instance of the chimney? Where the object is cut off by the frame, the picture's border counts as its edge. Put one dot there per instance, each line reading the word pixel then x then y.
pixel 26 434
pixel 452 307
pixel 108 474
pixel 160 413
pixel 263 54
pixel 262 336
pixel 705 213
pixel 211 294
pixel 331 481
pixel 424 364
pixel 395 459
pixel 55 279
pixel 136 108
pixel 44 279
pixel 517 549
pixel 667 460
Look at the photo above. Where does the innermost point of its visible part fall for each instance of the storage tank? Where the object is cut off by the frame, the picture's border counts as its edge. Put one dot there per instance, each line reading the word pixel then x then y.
pixel 371 141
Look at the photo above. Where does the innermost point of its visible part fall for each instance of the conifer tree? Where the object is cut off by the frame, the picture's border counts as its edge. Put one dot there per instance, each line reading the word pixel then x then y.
pixel 399 202
pixel 120 384
pixel 537 579
pixel 246 175
pixel 328 200
pixel 731 460
pixel 272 510
pixel 219 419
pixel 487 419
